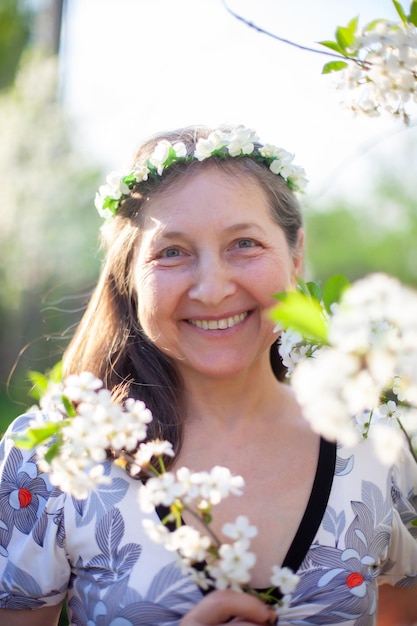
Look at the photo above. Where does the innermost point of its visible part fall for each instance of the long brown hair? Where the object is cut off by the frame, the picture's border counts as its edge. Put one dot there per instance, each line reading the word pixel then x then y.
pixel 109 340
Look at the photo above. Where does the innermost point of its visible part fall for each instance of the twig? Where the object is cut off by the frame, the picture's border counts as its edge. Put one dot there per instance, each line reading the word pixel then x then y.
pixel 410 445
pixel 334 55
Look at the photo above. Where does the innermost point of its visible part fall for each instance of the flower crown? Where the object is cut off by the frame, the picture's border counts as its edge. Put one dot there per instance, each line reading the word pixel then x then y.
pixel 238 142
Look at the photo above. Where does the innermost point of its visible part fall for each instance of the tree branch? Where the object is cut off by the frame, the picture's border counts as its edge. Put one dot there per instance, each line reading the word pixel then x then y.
pixel 282 39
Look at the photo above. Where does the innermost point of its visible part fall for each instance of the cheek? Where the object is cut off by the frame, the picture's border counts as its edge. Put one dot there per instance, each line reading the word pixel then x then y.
pixel 273 278
pixel 147 290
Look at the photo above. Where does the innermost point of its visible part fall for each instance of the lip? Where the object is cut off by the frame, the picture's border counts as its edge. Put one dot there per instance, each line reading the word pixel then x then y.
pixel 225 322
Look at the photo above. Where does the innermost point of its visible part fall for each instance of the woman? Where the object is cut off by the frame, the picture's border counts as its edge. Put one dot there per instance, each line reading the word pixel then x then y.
pixel 199 236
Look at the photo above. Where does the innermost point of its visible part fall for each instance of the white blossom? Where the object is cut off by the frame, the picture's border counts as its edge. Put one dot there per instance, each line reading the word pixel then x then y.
pixel 146 451
pixel 81 387
pixel 235 562
pixel 190 543
pixel 285 579
pixel 388 441
pixel 218 484
pixel 384 78
pixel 373 348
pixel 191 482
pixel 162 489
pixel 240 530
pixel 156 531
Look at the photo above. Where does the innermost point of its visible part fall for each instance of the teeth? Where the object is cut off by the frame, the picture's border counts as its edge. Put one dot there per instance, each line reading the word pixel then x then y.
pixel 227 322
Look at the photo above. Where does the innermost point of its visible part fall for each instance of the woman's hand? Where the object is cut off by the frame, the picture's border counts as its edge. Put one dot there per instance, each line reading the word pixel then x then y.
pixel 397 606
pixel 221 607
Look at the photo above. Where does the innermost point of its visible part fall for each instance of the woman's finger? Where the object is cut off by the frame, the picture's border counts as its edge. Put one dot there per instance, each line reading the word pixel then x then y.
pixel 219 607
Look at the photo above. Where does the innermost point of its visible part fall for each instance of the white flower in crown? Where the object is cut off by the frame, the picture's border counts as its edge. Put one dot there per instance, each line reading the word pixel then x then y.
pixel 241 141
pixel 162 154
pixel 206 147
pixel 236 143
pixel 273 152
pixel 114 188
pixel 140 172
pixel 297 177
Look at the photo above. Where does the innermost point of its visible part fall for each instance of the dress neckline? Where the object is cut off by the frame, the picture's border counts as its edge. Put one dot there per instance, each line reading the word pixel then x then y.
pixel 313 514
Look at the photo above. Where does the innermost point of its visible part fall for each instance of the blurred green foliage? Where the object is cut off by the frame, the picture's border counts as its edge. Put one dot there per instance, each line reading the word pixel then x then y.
pixel 378 235
pixel 48 229
pixel 15 21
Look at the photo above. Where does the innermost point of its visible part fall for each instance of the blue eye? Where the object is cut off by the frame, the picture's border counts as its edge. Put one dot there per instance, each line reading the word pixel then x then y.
pixel 245 243
pixel 170 253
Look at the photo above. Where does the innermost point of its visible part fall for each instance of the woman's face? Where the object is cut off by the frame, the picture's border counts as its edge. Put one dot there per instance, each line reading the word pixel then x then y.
pixel 208 261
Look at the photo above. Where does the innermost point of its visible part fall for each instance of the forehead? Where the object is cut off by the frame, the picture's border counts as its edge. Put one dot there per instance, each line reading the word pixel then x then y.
pixel 207 195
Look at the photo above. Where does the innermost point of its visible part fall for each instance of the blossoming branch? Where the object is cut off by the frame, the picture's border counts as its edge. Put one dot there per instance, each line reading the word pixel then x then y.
pixel 379 73
pixel 84 424
pixel 351 354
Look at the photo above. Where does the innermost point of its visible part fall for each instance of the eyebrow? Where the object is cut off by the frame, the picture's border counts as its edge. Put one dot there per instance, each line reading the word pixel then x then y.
pixel 244 226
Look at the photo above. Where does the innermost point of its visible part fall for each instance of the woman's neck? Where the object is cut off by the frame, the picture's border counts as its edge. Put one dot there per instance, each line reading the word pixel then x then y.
pixel 240 398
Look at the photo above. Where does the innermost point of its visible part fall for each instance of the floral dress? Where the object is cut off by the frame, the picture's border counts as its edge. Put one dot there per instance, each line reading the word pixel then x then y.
pixel 357 531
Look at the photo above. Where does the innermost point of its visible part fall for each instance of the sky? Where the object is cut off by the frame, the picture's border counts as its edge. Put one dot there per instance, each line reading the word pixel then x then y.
pixel 134 67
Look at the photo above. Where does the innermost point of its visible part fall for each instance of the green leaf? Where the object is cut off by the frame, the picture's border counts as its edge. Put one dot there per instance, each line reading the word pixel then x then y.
pixel 333 45
pixel 314 290
pixel 301 313
pixel 333 289
pixel 52 452
pixel 400 11
pixel 69 407
pixel 110 203
pixel 334 66
pixel 373 24
pixel 129 180
pixel 303 287
pixel 353 25
pixel 412 18
pixel 55 375
pixel 345 35
pixel 34 436
pixel 39 382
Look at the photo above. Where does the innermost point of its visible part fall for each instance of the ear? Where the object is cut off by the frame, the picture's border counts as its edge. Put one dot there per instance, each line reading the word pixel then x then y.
pixel 298 254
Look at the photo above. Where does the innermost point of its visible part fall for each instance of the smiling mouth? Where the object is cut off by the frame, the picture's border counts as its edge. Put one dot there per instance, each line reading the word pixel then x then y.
pixel 227 322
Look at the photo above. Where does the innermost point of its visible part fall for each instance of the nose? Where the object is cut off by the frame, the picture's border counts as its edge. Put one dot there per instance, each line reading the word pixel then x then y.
pixel 213 281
